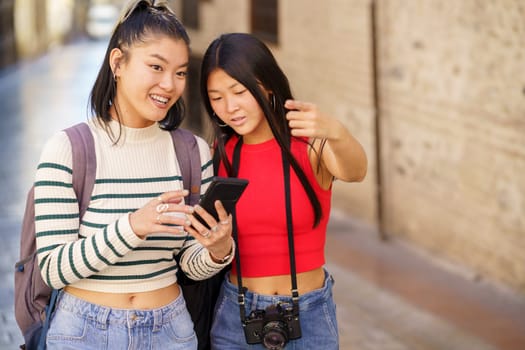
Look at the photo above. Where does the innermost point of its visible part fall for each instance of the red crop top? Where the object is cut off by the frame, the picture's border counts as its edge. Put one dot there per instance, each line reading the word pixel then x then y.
pixel 261 213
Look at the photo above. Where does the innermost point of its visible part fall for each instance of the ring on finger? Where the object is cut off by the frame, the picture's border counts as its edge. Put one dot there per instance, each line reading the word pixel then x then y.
pixel 162 207
pixel 215 228
pixel 206 234
pixel 225 222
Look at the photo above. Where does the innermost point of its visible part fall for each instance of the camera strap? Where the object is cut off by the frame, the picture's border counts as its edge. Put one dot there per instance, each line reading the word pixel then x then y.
pixel 289 223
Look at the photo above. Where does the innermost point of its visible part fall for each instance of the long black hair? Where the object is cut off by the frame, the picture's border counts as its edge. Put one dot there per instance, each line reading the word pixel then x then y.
pixel 249 61
pixel 140 19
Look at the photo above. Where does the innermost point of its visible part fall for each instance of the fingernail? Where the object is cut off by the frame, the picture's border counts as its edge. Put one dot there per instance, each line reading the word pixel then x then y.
pixel 185 192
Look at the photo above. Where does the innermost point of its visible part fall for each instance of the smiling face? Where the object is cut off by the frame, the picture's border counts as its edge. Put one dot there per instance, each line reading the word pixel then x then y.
pixel 151 77
pixel 234 104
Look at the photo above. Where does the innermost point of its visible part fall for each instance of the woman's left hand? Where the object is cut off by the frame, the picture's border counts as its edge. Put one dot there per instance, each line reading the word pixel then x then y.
pixel 218 238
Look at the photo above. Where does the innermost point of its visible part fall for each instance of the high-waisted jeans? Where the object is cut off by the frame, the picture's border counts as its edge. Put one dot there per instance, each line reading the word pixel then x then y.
pixel 317 316
pixel 80 325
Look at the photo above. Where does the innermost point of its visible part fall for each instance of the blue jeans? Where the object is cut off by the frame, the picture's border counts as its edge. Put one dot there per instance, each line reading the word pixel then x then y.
pixel 80 325
pixel 317 316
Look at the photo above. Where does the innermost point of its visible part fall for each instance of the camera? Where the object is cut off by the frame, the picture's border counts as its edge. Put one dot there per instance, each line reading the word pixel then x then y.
pixel 272 327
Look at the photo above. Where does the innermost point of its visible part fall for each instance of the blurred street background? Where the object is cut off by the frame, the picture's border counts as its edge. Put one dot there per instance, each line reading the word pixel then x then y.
pixel 429 251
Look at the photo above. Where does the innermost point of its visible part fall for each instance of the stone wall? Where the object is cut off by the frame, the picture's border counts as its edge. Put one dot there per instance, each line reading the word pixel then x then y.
pixel 452 107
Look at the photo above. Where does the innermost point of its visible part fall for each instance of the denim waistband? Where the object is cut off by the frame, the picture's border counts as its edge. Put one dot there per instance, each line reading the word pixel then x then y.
pixel 104 315
pixel 261 301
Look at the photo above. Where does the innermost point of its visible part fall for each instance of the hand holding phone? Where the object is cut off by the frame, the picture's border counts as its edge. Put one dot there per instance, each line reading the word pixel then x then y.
pixel 226 189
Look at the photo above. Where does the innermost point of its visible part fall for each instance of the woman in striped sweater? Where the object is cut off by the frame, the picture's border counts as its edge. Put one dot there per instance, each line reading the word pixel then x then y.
pixel 116 264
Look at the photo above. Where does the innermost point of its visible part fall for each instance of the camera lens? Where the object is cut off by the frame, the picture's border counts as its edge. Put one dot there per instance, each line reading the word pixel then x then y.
pixel 275 336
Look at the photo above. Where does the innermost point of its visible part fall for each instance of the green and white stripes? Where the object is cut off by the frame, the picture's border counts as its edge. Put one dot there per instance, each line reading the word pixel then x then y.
pixel 101 252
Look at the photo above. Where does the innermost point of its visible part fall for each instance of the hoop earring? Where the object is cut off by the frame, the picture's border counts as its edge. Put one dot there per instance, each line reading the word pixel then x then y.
pixel 217 121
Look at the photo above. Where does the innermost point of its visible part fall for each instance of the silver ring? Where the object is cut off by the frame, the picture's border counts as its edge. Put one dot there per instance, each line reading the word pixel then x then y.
pixel 162 207
pixel 225 222
pixel 215 228
pixel 206 234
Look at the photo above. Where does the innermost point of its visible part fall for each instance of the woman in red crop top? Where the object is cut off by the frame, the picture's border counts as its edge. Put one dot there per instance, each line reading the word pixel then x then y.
pixel 258 124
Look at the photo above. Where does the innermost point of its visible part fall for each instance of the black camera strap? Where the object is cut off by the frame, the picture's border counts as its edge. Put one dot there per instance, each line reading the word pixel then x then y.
pixel 289 222
pixel 242 290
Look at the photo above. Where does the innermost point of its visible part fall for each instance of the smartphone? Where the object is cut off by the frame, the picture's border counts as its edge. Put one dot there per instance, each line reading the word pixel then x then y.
pixel 226 189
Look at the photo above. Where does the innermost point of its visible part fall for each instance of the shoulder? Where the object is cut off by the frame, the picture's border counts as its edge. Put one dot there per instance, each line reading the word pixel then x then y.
pixel 204 151
pixel 192 143
pixel 58 139
pixel 230 143
pixel 57 149
pixel 301 146
pixel 202 143
pixel 204 148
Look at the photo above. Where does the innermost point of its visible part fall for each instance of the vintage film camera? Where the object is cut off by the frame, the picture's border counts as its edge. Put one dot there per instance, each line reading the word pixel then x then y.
pixel 272 327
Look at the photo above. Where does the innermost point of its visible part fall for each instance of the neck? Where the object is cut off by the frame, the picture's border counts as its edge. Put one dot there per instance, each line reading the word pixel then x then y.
pixel 120 117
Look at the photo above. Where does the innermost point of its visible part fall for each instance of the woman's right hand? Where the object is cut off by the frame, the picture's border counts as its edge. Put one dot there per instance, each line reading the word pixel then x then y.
pixel 160 214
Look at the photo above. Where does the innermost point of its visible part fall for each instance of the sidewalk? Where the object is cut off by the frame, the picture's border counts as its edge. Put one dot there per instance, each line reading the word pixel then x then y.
pixel 392 297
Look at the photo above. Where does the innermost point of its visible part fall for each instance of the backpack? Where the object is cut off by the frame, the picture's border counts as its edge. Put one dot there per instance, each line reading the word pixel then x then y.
pixel 35 304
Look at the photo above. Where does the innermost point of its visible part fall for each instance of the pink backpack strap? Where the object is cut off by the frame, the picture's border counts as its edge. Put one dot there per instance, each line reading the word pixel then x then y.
pixel 84 163
pixel 188 156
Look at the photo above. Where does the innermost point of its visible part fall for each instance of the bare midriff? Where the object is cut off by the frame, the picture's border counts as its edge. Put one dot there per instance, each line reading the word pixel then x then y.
pixel 137 301
pixel 281 285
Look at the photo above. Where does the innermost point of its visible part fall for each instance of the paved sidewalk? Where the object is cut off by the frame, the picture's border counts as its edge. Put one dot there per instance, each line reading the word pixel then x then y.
pixel 392 296
pixel 9 334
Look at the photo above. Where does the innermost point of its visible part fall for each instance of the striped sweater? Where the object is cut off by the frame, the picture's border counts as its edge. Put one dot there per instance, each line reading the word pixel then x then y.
pixel 102 253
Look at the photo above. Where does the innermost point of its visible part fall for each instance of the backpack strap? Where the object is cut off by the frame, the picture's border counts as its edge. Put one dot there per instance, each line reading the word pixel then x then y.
pixel 84 163
pixel 188 156
pixel 84 173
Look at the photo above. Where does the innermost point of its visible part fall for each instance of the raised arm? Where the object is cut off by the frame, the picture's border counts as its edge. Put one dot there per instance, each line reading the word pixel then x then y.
pixel 342 156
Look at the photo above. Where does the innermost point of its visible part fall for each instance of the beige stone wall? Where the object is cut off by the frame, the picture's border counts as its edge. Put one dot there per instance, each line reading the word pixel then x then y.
pixel 452 114
pixel 453 124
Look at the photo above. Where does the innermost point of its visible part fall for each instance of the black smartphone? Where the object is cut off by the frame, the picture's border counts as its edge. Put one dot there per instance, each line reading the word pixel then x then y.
pixel 226 189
